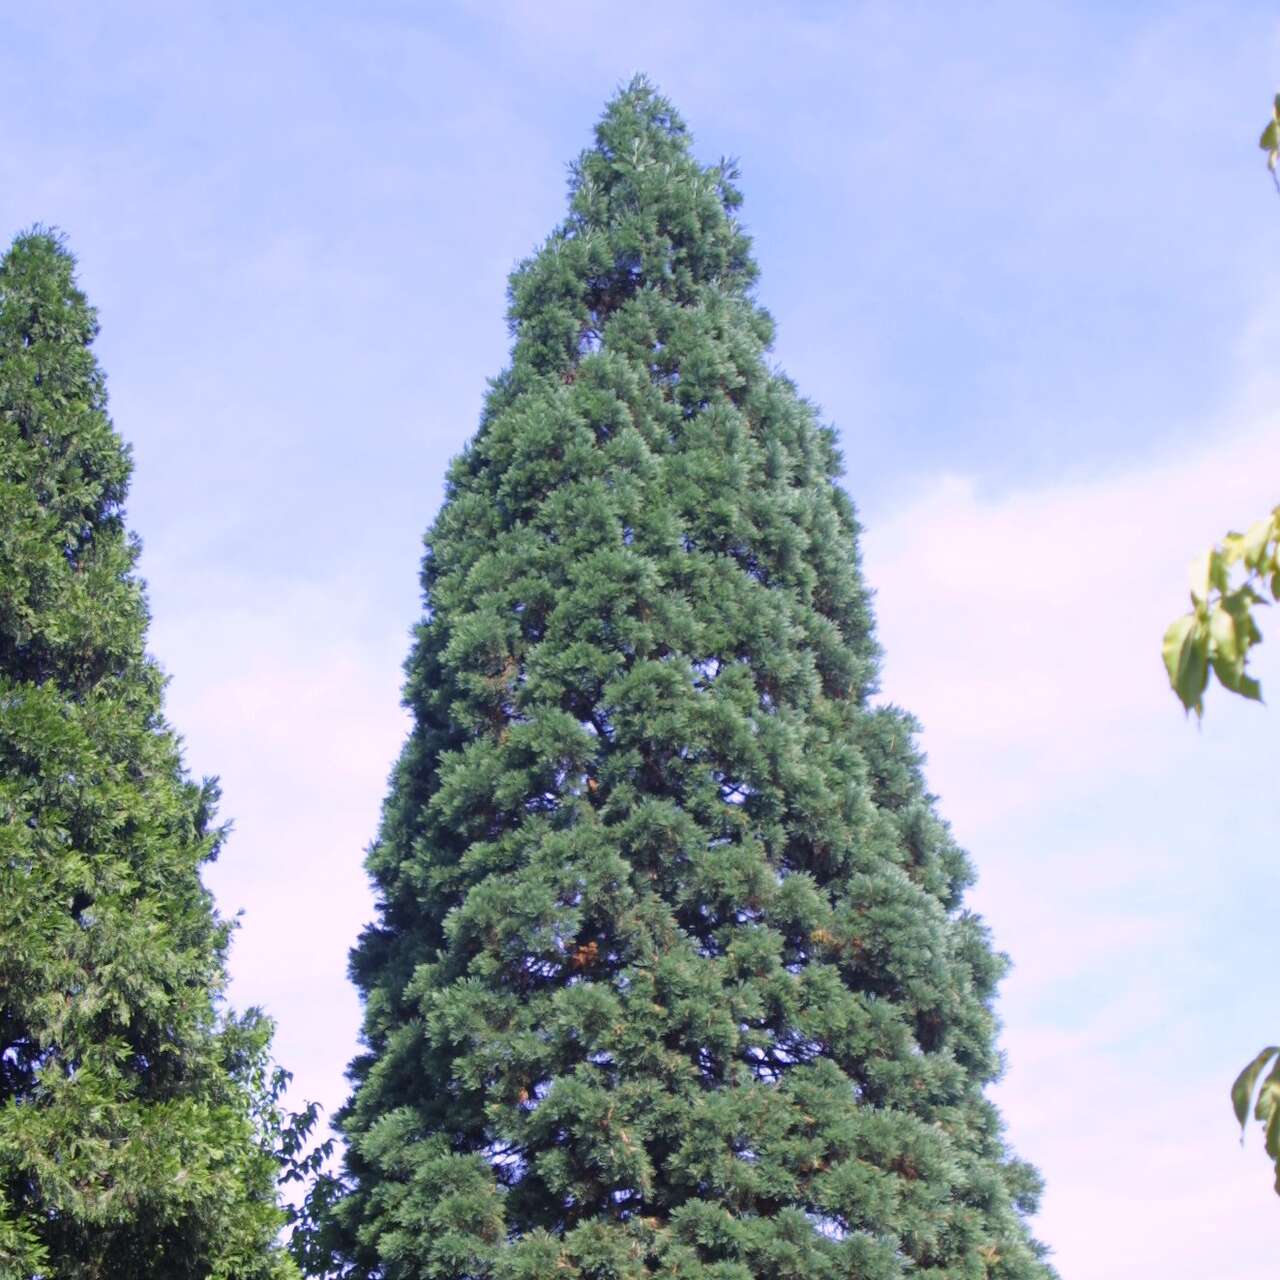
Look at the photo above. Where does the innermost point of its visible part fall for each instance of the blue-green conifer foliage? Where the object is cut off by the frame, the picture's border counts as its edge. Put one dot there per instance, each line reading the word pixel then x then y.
pixel 137 1124
pixel 671 974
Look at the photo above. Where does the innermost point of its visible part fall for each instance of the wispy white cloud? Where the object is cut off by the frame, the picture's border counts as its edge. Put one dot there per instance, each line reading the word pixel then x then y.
pixel 297 710
pixel 1023 628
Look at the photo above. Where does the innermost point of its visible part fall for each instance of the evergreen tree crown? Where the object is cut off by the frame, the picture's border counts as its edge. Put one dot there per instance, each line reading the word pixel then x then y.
pixel 671 973
pixel 136 1120
pixel 69 608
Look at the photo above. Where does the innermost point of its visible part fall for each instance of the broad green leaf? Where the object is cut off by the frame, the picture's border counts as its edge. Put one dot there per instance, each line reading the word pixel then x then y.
pixel 1255 542
pixel 1219 576
pixel 1242 1090
pixel 1273 1134
pixel 1238 603
pixel 1270 136
pixel 1268 1093
pixel 1222 631
pixel 1186 658
pixel 1175 637
pixel 1229 673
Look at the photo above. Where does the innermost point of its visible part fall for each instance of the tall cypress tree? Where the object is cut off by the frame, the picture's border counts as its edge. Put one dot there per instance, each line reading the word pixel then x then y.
pixel 671 974
pixel 135 1121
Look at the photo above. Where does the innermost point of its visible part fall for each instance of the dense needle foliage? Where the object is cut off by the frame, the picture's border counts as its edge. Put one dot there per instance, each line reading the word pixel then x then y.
pixel 135 1123
pixel 671 974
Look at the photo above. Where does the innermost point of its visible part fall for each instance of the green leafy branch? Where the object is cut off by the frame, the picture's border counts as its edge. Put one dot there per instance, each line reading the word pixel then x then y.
pixel 1266 1105
pixel 1270 142
pixel 1216 636
pixel 1228 583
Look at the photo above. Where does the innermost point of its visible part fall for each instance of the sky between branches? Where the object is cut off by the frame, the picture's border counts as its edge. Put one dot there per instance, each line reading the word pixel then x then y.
pixel 1025 262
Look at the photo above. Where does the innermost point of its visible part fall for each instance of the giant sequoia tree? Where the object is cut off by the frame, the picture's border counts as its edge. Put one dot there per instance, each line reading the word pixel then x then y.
pixel 134 1121
pixel 672 975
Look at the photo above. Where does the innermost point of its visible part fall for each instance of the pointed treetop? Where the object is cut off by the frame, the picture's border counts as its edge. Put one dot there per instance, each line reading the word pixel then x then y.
pixel 69 608
pixel 644 216
pixel 638 123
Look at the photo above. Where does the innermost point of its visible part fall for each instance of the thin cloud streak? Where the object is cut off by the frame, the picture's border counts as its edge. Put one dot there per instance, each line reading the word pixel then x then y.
pixel 1024 630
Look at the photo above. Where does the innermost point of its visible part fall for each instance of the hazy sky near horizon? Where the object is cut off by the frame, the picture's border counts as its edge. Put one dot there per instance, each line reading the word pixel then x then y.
pixel 1023 255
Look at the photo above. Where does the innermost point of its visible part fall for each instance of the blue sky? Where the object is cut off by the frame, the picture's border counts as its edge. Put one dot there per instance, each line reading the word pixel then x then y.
pixel 1024 258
